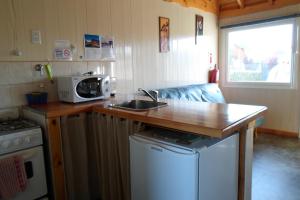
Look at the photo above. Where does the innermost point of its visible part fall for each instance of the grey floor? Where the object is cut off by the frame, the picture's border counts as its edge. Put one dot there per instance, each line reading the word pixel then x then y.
pixel 276 168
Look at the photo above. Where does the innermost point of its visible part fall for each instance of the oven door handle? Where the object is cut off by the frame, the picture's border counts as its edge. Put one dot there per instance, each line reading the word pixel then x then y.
pixel 28 165
pixel 28 169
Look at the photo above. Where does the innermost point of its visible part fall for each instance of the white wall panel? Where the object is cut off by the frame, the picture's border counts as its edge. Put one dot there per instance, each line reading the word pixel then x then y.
pixel 98 16
pixel 7 24
pixel 133 24
pixel 120 29
pixel 186 62
pixel 282 105
pixel 51 25
pixel 67 18
pixel 31 17
pixel 81 26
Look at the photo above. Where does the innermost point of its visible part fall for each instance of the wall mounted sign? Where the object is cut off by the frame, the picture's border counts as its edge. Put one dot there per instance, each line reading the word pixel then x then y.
pixel 62 50
pixel 92 48
pixel 198 27
pixel 164 34
pixel 107 48
pixel 97 47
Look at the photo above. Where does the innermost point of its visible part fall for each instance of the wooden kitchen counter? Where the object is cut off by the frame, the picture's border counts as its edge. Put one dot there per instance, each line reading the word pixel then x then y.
pixel 58 109
pixel 211 119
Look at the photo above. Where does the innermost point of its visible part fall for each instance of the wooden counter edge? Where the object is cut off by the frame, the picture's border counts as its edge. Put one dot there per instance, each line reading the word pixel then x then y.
pixel 245 121
pixel 159 122
pixel 196 129
pixel 68 109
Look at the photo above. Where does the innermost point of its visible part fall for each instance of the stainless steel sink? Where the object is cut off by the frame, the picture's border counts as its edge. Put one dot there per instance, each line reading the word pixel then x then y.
pixel 139 105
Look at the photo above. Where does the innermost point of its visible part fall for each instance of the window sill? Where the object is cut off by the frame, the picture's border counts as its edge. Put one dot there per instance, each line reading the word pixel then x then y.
pixel 280 86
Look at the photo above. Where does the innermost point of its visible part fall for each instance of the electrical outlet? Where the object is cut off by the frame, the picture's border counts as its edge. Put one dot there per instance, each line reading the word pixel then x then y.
pixel 36 37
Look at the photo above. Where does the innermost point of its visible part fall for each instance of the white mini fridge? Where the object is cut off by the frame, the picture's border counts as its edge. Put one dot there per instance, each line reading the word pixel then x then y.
pixel 166 165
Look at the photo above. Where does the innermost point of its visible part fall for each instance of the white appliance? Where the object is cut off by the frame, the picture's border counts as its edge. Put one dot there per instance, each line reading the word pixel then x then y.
pixel 24 138
pixel 83 88
pixel 167 165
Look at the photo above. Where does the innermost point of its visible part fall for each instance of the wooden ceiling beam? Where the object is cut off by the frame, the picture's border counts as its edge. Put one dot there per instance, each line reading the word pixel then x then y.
pixel 232 8
pixel 241 3
pixel 256 7
pixel 229 6
pixel 206 5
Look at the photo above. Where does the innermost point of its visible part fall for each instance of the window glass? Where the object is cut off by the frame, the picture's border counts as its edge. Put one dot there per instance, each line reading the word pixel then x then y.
pixel 260 54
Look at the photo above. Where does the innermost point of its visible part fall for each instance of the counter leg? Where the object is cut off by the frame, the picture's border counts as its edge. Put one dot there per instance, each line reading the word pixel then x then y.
pixel 245 161
pixel 56 157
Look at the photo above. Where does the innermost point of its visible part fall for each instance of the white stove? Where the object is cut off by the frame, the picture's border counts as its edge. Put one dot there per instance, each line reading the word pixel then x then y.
pixel 23 137
pixel 19 134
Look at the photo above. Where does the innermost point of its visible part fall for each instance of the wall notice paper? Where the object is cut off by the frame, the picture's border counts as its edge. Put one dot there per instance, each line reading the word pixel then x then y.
pixel 92 48
pixel 62 50
pixel 107 45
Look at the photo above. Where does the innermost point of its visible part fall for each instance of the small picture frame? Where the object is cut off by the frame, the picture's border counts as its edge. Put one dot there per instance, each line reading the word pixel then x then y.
pixel 164 34
pixel 91 41
pixel 198 27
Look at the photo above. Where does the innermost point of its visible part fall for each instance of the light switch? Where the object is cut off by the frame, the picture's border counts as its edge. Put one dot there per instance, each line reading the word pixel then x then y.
pixel 36 37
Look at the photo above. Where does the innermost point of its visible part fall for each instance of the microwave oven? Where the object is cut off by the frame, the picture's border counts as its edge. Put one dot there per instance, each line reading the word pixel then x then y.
pixel 75 89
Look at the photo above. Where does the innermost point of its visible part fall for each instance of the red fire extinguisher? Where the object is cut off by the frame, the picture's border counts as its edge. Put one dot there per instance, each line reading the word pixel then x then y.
pixel 213 75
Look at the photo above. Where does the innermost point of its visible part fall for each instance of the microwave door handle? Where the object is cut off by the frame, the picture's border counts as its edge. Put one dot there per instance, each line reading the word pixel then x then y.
pixel 101 86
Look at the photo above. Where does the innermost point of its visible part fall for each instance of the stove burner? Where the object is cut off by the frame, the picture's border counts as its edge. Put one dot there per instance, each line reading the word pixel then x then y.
pixel 14 125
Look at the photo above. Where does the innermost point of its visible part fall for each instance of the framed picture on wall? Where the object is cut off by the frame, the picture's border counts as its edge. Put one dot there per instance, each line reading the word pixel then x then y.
pixel 198 27
pixel 164 34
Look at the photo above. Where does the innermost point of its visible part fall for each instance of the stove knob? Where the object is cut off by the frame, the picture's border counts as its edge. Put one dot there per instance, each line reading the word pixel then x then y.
pixel 17 142
pixel 5 144
pixel 27 140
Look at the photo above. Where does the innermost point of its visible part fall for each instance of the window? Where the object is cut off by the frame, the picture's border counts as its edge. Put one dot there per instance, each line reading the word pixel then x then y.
pixel 261 54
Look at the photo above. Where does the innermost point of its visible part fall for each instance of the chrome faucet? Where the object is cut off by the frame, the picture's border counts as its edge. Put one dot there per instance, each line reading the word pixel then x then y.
pixel 154 98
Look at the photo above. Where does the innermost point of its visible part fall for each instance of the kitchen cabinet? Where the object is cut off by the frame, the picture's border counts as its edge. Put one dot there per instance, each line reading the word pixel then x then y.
pixel 81 155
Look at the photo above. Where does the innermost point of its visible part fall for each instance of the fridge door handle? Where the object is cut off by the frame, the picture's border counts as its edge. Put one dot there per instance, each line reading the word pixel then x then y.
pixel 157 147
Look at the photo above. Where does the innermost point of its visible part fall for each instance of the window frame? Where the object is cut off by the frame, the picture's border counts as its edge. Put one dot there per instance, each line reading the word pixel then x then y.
pixel 294 59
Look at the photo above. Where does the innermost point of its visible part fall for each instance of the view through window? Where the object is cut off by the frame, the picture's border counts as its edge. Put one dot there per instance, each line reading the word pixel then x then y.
pixel 260 54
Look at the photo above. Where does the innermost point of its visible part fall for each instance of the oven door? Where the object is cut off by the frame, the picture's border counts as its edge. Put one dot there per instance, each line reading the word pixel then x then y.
pixel 35 171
